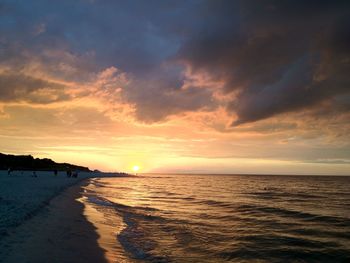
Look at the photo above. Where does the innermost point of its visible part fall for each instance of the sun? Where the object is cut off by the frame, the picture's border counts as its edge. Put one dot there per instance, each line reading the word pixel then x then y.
pixel 135 168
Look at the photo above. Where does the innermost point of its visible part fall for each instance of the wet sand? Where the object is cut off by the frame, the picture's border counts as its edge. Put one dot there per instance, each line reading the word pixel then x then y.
pixel 58 233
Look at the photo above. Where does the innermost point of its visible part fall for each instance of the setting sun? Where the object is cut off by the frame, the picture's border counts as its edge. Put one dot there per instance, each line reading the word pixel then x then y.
pixel 135 168
pixel 180 131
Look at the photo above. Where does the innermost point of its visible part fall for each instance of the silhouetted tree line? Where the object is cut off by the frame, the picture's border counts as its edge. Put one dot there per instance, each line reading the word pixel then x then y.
pixel 28 162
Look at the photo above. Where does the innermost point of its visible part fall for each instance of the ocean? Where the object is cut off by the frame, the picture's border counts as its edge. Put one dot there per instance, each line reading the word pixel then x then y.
pixel 221 218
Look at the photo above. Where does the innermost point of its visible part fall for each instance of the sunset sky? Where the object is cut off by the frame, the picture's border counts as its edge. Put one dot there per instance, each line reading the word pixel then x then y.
pixel 178 86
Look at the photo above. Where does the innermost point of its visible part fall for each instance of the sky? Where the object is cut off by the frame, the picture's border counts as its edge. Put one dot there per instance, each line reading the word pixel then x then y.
pixel 178 86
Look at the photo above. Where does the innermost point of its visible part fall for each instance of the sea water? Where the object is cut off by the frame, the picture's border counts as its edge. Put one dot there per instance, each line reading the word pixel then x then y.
pixel 222 218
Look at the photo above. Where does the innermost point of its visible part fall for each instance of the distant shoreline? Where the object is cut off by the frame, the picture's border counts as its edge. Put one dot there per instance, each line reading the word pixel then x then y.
pixel 28 162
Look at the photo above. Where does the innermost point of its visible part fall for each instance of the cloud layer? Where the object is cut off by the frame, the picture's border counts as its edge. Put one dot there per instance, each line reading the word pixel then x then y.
pixel 197 79
pixel 277 56
pixel 273 56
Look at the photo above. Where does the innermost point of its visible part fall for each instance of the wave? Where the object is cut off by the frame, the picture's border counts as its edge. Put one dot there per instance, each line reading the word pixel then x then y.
pixel 321 233
pixel 136 242
pixel 285 255
pixel 283 195
pixel 216 203
pixel 250 209
pixel 204 224
pixel 146 231
pixel 335 220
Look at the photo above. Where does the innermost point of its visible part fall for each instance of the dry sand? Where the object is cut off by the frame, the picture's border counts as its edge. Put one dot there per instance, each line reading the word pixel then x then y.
pixel 57 233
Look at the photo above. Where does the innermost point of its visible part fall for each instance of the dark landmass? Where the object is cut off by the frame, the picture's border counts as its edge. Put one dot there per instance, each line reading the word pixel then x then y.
pixel 28 162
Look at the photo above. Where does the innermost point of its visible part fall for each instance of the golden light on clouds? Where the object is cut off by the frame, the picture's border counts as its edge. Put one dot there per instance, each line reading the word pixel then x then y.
pixel 175 100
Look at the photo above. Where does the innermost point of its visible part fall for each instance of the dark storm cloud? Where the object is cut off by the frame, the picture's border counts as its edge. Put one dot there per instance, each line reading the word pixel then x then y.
pixel 134 36
pixel 19 87
pixel 154 106
pixel 281 56
pixel 276 55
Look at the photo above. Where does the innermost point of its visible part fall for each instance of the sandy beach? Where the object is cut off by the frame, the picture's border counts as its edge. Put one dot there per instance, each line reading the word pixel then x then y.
pixel 58 233
pixel 51 229
pixel 174 131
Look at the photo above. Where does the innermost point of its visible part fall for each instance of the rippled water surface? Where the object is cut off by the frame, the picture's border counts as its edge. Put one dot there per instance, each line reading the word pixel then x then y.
pixel 224 218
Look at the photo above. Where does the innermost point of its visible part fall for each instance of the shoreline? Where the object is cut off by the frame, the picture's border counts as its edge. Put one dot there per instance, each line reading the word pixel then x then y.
pixel 108 224
pixel 57 233
pixel 56 230
pixel 22 196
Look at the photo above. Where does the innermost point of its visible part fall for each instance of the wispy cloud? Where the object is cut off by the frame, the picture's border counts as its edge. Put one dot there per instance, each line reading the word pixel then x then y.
pixel 186 79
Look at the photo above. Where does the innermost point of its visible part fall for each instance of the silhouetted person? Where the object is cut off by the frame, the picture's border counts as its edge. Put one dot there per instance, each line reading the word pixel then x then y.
pixel 34 174
pixel 55 172
pixel 9 170
pixel 69 173
pixel 75 174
